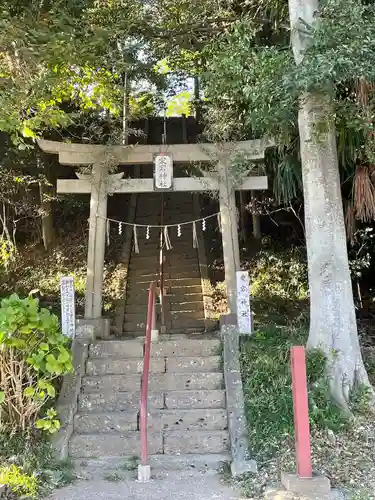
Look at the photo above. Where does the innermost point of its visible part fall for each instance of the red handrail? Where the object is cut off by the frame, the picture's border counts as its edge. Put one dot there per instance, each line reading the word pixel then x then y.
pixel 150 325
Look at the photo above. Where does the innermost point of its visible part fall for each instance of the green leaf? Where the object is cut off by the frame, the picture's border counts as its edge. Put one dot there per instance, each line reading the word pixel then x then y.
pixel 64 355
pixel 29 392
pixel 51 413
pixel 27 132
pixel 2 397
pixel 51 391
pixel 56 424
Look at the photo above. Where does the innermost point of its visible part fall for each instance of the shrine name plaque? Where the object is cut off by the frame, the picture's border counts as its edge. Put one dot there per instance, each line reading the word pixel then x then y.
pixel 163 172
pixel 244 317
pixel 68 314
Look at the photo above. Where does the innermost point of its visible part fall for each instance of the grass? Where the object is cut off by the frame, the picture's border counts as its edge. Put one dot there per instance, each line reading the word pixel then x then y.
pixel 342 447
pixel 267 388
pixel 130 464
pixel 25 459
pixel 113 477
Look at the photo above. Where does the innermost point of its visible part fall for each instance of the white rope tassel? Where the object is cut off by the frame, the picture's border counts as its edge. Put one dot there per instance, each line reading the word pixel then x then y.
pixel 107 231
pixel 195 237
pixel 167 241
pixel 219 222
pixel 119 228
pixel 135 237
pixel 179 231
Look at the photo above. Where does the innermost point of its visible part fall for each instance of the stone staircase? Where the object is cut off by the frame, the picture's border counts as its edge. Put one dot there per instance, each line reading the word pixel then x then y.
pixel 184 307
pixel 187 421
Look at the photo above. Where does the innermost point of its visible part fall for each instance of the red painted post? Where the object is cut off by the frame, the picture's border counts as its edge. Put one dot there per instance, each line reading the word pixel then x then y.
pixel 301 412
pixel 146 369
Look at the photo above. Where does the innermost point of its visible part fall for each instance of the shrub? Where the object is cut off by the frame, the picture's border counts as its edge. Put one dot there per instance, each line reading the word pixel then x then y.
pixel 22 485
pixel 279 286
pixel 33 355
pixel 280 275
pixel 34 462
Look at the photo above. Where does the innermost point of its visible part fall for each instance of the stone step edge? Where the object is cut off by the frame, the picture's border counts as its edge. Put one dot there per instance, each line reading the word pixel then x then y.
pixel 117 357
pixel 92 468
pixel 151 412
pixel 163 395
pixel 154 375
pixel 163 433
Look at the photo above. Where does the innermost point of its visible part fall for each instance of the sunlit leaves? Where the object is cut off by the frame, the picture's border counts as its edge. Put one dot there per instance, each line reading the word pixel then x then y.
pixel 34 355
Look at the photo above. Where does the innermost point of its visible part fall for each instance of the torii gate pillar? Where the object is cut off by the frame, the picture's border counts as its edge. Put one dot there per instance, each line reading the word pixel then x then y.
pixel 96 244
pixel 231 249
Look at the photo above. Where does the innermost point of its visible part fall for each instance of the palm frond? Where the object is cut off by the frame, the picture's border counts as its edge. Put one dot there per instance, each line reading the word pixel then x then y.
pixel 287 184
pixel 364 194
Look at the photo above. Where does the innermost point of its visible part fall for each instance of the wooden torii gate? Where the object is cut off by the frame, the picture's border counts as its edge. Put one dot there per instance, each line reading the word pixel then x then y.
pixel 100 183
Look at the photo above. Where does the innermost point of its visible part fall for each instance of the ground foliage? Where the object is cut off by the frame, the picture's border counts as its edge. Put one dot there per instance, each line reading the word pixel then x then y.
pixel 342 446
pixel 29 468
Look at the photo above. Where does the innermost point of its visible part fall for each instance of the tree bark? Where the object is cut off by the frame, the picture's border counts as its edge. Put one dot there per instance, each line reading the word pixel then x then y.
pixel 48 230
pixel 46 195
pixel 257 231
pixel 333 327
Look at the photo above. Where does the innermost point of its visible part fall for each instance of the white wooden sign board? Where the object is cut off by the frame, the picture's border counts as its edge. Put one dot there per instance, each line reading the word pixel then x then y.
pixel 244 318
pixel 163 172
pixel 68 313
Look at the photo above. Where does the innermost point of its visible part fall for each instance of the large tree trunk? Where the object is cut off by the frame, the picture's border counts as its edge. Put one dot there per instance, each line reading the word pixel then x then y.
pixel 333 326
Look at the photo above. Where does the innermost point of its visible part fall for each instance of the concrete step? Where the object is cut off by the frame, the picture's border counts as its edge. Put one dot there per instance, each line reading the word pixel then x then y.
pixel 186 298
pixel 117 402
pixel 186 347
pixel 108 383
pixel 188 420
pixel 107 466
pixel 143 261
pixel 185 289
pixel 135 326
pixel 141 299
pixel 159 382
pixel 94 422
pixel 187 306
pixel 194 365
pixel 171 276
pixel 144 273
pixel 135 284
pixel 188 324
pixel 177 442
pixel 176 304
pixel 162 420
pixel 182 253
pixel 176 316
pixel 138 319
pixel 115 444
pixel 117 348
pixel 121 366
pixel 195 399
pixel 111 401
pixel 199 328
pixel 181 347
